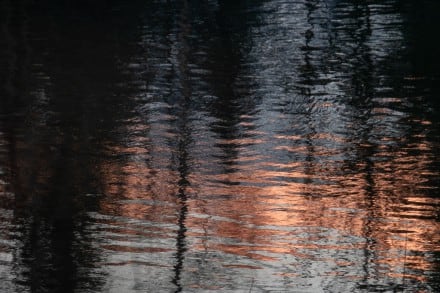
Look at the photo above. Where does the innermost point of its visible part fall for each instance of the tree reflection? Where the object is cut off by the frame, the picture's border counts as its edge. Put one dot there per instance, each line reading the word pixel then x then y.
pixel 217 145
pixel 57 114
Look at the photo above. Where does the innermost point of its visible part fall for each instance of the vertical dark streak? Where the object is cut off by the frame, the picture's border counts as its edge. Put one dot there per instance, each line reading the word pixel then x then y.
pixel 181 237
pixel 308 77
pixel 183 106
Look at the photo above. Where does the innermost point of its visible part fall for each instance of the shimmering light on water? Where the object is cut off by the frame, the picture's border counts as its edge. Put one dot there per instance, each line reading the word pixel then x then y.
pixel 224 146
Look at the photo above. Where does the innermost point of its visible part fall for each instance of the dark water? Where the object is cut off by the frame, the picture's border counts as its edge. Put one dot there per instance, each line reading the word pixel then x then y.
pixel 219 146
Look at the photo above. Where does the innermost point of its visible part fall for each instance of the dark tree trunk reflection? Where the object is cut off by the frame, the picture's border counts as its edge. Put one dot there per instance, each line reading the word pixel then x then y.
pixel 194 146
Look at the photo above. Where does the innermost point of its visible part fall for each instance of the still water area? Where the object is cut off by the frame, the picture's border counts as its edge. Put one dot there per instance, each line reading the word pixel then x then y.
pixel 219 146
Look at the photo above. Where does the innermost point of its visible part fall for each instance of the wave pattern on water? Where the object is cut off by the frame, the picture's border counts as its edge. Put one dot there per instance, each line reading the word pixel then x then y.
pixel 218 146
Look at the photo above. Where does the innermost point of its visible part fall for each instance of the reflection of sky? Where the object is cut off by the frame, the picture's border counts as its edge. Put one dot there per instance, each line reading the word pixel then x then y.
pixel 290 213
pixel 315 177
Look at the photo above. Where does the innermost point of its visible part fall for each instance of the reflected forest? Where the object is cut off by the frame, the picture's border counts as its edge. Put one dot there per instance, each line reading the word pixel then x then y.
pixel 219 146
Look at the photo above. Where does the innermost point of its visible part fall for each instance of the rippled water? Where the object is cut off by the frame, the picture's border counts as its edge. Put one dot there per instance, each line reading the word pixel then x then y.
pixel 219 146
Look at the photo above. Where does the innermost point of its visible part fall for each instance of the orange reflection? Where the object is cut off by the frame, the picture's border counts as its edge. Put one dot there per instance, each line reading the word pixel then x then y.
pixel 390 206
pixel 264 211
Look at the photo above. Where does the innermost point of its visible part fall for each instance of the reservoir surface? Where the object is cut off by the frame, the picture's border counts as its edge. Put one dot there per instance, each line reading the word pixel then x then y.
pixel 219 146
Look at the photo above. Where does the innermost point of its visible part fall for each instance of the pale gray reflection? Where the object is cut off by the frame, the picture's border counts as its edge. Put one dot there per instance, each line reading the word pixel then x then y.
pixel 297 192
pixel 218 146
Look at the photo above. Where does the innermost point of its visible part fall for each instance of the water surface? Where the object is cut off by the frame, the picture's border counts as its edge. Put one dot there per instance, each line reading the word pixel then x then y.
pixel 219 146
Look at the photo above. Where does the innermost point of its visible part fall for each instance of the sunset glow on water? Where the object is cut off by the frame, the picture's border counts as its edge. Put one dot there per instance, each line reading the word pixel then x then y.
pixel 219 146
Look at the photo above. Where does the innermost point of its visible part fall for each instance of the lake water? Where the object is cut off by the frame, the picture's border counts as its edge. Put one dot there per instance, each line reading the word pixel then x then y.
pixel 219 146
